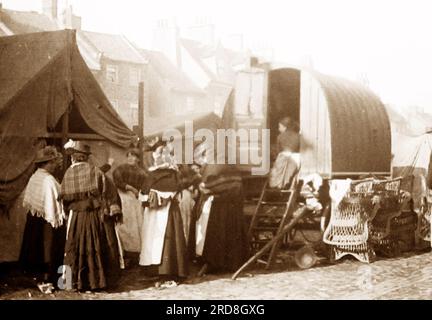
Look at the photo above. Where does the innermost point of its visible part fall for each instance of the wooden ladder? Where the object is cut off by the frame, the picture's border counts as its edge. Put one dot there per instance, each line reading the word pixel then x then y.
pixel 275 208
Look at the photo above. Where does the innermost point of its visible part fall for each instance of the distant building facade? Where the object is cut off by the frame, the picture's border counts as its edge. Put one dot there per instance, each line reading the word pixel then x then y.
pixel 208 63
pixel 170 91
pixel 115 62
pixel 119 68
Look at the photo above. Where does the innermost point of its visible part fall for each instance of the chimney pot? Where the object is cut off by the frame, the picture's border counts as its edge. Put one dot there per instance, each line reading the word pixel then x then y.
pixel 50 8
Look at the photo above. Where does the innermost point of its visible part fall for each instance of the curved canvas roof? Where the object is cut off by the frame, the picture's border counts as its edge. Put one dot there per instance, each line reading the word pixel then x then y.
pixel 360 126
pixel 360 133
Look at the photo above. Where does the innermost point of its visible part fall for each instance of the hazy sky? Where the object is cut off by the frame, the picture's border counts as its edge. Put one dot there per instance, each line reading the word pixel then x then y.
pixel 389 40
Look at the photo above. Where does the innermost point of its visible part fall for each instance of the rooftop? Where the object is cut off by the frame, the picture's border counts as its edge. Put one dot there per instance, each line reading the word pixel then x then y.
pixel 26 21
pixel 113 46
pixel 170 73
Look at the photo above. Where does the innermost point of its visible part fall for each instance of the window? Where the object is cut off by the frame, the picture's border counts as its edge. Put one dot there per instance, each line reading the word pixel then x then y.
pixel 134 113
pixel 190 103
pixel 134 76
pixel 112 73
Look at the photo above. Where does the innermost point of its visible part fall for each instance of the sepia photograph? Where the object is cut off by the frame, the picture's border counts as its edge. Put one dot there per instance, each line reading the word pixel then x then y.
pixel 228 152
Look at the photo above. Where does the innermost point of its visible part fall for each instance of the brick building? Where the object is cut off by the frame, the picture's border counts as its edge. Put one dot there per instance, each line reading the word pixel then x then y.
pixel 118 67
pixel 170 91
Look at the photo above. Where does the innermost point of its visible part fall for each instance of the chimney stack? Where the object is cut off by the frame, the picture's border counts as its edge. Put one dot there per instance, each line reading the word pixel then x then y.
pixel 166 40
pixel 50 8
pixel 70 20
pixel 203 30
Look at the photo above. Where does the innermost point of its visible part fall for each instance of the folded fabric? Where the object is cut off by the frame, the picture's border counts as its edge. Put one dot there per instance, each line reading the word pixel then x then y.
pixel 158 199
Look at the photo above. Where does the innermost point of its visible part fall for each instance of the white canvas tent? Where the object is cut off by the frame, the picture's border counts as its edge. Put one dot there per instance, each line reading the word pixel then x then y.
pixel 411 157
pixel 411 160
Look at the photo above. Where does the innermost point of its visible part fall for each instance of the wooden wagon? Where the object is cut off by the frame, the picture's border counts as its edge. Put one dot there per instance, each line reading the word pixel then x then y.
pixel 344 121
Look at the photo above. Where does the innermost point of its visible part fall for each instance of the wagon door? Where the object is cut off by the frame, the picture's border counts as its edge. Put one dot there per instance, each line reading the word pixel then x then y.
pixel 250 104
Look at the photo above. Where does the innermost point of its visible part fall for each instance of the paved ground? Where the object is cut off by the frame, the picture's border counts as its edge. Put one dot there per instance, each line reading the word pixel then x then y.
pixel 407 277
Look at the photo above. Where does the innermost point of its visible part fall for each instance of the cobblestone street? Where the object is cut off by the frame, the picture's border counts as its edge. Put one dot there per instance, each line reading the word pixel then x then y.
pixel 408 277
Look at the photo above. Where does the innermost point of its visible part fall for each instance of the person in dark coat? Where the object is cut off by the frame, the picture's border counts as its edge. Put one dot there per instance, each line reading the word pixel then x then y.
pixel 220 233
pixel 91 250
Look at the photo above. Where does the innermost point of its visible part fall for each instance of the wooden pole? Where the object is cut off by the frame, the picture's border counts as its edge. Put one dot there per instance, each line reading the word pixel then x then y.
pixel 65 132
pixel 75 136
pixel 288 227
pixel 141 118
pixel 141 110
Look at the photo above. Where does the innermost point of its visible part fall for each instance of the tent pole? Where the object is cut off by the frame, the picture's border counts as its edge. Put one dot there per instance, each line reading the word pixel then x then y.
pixel 65 132
pixel 141 110
pixel 141 116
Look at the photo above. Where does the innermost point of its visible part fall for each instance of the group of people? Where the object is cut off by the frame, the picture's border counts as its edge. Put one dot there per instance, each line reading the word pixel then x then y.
pixel 71 225
pixel 180 213
pixel 173 215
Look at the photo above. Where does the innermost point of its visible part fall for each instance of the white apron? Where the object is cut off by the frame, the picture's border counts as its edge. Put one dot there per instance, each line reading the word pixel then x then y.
pixel 130 230
pixel 201 226
pixel 153 231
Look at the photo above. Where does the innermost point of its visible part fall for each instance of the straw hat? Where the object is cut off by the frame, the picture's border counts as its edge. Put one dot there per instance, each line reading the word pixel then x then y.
pixel 46 154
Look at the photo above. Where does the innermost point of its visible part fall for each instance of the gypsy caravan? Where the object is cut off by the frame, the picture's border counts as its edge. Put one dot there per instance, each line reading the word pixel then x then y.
pixel 348 133
pixel 345 122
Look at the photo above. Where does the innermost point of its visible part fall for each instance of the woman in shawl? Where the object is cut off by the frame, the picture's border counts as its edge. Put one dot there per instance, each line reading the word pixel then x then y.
pixel 43 243
pixel 164 250
pixel 91 251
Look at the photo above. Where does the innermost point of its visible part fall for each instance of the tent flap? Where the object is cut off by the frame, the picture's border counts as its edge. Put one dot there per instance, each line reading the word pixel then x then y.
pixel 41 75
pixel 95 107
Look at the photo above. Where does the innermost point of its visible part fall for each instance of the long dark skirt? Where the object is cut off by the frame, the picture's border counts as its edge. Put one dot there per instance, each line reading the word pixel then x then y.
pixel 92 251
pixel 225 246
pixel 174 254
pixel 42 248
pixel 174 261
